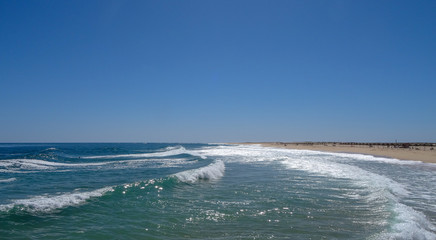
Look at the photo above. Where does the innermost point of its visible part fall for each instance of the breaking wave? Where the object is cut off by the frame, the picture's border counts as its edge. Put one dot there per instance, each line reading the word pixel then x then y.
pixel 168 151
pixel 44 204
pixel 405 222
pixel 7 180
pixel 14 165
pixel 408 224
pixel 211 172
pixel 30 165
pixel 49 203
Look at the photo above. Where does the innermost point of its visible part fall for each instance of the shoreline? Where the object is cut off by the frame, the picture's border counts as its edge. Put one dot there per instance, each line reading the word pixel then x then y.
pixel 424 152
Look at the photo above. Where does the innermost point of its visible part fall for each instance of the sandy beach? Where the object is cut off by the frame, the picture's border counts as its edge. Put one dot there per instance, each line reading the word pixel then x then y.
pixel 416 152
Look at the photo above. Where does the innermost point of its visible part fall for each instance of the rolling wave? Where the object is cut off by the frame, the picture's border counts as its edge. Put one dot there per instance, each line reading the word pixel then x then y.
pixel 169 151
pixel 213 171
pixel 15 165
pixel 382 193
pixel 405 222
pixel 7 180
pixel 378 190
pixel 42 204
pixel 30 165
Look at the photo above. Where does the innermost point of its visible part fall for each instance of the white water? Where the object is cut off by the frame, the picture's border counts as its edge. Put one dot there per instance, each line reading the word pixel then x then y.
pixel 407 223
pixel 211 172
pixel 7 180
pixel 169 151
pixel 49 203
pixel 44 203
pixel 379 189
pixel 27 165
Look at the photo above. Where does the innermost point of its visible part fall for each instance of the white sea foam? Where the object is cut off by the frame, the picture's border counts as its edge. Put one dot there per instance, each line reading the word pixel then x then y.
pixel 213 171
pixel 407 222
pixel 168 151
pixel 26 164
pixel 36 164
pixel 324 167
pixel 7 180
pixel 269 154
pixel 240 153
pixel 30 165
pixel 50 203
pixel 365 157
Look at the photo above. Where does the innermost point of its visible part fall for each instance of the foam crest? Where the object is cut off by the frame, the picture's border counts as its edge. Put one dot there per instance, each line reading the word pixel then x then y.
pixel 211 172
pixel 408 224
pixel 12 165
pixel 371 158
pixel 169 151
pixel 241 153
pixel 362 177
pixel 27 165
pixel 7 180
pixel 247 151
pixel 50 203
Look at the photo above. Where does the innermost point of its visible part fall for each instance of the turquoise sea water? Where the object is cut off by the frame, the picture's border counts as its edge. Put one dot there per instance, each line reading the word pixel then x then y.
pixel 210 191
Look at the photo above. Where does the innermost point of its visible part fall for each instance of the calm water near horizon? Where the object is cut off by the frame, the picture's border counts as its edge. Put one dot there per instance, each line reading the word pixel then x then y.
pixel 210 191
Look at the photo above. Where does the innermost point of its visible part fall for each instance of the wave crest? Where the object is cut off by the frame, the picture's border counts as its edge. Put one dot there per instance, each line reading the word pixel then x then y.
pixel 7 180
pixel 211 172
pixel 166 152
pixel 14 165
pixel 49 203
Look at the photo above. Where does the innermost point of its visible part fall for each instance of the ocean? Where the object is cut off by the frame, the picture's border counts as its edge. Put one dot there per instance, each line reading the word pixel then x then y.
pixel 210 191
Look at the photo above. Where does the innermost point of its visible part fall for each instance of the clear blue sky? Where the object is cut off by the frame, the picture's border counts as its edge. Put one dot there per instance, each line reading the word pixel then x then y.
pixel 217 71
